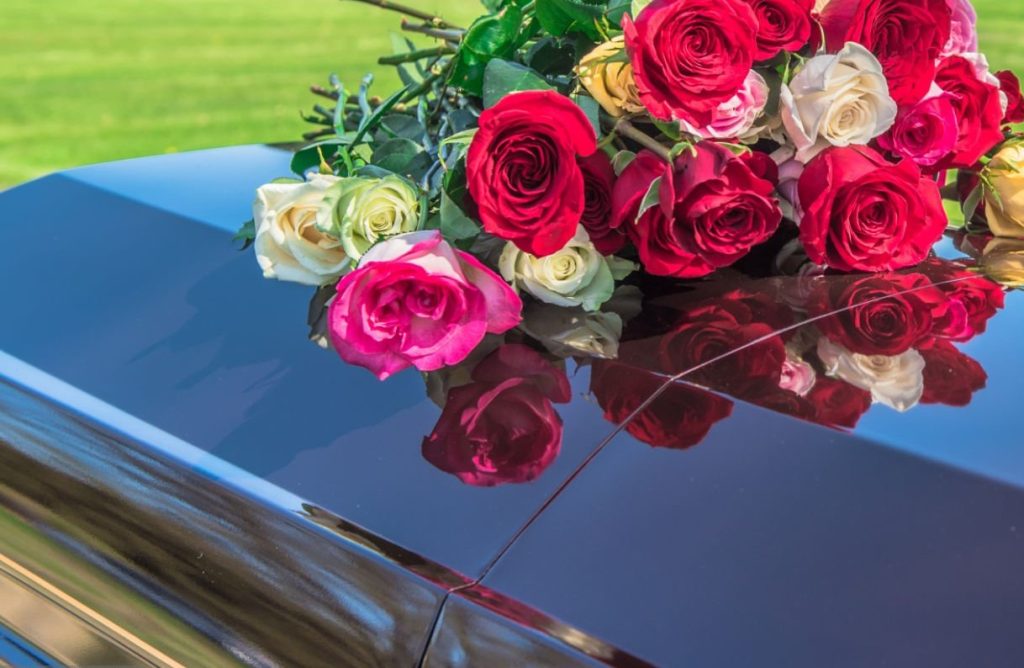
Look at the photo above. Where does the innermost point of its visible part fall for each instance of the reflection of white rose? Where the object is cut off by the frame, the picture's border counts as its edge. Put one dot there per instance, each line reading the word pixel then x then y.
pixel 289 245
pixel 897 381
pixel 837 100
pixel 577 275
pixel 572 331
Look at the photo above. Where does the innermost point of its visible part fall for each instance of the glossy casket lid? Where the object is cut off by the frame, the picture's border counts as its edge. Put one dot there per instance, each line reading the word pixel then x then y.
pixel 748 529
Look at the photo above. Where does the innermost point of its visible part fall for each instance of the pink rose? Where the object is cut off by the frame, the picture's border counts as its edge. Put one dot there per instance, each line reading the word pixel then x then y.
pixel 963 33
pixel 416 301
pixel 736 116
pixel 924 132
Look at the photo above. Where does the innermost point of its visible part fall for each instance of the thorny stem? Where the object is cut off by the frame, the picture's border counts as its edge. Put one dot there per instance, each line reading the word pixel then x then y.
pixel 626 129
pixel 435 21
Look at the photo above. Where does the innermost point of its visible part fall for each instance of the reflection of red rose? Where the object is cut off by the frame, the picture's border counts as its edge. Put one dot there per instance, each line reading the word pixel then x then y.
pixel 521 169
pixel 726 327
pixel 862 213
pixel 906 36
pixel 679 417
pixel 598 180
pixel 969 301
pixel 501 428
pixel 878 315
pixel 838 404
pixel 950 377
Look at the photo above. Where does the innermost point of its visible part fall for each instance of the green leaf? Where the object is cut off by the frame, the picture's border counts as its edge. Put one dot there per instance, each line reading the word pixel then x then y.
pixel 455 224
pixel 308 157
pixel 561 17
pixel 670 130
pixel 622 160
pixel 489 37
pixel 396 155
pixel 954 214
pixel 246 234
pixel 502 77
pixel 972 202
pixel 651 198
pixel 592 109
pixel 637 6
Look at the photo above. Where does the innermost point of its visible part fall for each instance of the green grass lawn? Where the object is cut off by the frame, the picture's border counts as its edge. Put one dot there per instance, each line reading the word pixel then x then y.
pixel 86 82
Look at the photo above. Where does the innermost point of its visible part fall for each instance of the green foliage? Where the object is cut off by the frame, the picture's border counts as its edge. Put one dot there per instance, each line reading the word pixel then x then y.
pixel 503 77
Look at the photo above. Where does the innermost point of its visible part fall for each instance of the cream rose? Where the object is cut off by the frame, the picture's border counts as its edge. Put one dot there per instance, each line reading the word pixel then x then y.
pixel 1004 204
pixel 362 211
pixel 577 275
pixel 289 245
pixel 610 83
pixel 837 100
pixel 896 381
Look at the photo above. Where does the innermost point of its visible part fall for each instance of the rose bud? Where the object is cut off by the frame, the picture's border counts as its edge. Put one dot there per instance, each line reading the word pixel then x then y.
pixel 862 213
pixel 522 173
pixel 416 301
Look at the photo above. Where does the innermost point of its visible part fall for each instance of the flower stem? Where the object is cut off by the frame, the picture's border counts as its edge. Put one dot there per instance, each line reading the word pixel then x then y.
pixel 450 35
pixel 435 21
pixel 626 129
pixel 413 56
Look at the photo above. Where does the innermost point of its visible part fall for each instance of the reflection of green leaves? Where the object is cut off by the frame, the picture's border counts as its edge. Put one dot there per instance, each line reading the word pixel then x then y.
pixel 489 37
pixel 502 77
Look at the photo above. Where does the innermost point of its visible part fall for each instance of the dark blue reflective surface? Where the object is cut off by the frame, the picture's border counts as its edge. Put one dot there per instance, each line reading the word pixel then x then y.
pixel 742 514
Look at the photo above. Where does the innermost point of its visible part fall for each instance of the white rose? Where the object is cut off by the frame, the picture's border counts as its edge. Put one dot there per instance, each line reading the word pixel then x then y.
pixel 577 275
pixel 837 100
pixel 896 381
pixel 289 245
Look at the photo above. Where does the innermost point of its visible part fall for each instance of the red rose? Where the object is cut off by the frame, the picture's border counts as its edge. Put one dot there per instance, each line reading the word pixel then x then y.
pixel 522 172
pixel 598 181
pixel 878 315
pixel 907 36
pixel 689 56
pixel 950 377
pixel 838 404
pixel 679 416
pixel 979 111
pixel 861 213
pixel 501 428
pixel 782 25
pixel 1010 85
pixel 925 132
pixel 712 211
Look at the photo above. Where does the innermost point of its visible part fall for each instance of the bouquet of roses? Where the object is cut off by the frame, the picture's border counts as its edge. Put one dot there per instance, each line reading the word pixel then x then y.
pixel 557 146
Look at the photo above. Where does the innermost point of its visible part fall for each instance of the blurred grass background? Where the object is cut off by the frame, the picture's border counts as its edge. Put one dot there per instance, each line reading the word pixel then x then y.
pixel 87 82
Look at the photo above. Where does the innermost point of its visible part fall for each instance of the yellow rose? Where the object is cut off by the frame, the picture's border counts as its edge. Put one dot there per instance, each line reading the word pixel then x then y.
pixel 1003 262
pixel 1004 208
pixel 611 84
